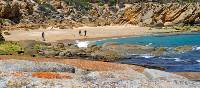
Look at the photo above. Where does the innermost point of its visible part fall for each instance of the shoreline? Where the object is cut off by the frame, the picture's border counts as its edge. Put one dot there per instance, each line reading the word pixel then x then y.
pixel 125 36
pixel 94 33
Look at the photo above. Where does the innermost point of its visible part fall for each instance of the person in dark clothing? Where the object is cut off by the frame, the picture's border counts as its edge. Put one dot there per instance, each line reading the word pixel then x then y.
pixel 79 33
pixel 1 25
pixel 43 38
pixel 1 36
pixel 85 33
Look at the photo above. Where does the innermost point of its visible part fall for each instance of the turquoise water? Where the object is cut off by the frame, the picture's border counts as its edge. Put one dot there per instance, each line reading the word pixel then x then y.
pixel 173 62
pixel 159 40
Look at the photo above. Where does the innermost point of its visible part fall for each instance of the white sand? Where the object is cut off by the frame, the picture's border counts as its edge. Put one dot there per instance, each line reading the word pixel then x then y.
pixel 72 34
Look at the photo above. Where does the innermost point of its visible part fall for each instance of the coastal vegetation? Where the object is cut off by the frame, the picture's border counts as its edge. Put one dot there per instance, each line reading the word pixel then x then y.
pixel 187 28
pixel 9 48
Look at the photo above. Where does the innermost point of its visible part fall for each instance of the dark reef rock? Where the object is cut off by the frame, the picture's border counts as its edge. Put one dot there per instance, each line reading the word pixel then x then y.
pixel 183 48
pixel 106 52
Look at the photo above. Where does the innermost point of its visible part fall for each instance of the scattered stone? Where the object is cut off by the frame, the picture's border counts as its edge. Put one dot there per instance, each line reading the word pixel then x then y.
pixel 105 55
pixel 6 33
pixel 51 53
pixel 61 54
pixel 60 45
pixel 28 46
pixel 183 48
pixel 159 51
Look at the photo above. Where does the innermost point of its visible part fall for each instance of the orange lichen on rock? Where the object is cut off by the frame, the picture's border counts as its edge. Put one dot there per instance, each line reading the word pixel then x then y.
pixel 51 75
pixel 83 64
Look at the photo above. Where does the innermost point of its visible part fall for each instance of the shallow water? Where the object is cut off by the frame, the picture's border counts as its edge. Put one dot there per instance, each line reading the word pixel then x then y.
pixel 158 40
pixel 173 62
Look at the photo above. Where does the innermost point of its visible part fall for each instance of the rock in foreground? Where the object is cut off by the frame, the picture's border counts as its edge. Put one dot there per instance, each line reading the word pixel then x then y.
pixel 126 78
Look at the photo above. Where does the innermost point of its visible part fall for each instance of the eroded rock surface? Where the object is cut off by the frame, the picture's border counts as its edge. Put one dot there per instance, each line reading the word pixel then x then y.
pixel 28 66
pixel 60 14
pixel 85 78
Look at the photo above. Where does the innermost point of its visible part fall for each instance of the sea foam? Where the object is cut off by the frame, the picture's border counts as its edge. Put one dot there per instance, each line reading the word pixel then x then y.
pixel 82 44
pixel 175 59
pixel 147 56
pixel 197 48
pixel 198 61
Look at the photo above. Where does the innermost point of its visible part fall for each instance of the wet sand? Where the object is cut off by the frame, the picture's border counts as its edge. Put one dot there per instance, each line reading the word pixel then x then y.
pixel 55 34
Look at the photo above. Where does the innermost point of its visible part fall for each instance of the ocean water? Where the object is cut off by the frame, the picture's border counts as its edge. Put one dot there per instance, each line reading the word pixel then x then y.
pixel 173 62
pixel 171 40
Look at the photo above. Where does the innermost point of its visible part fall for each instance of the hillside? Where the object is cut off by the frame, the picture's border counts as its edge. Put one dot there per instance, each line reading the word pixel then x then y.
pixel 64 14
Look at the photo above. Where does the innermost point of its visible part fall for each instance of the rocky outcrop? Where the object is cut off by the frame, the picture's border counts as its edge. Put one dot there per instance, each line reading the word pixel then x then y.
pixel 61 14
pixel 106 52
pixel 56 74
pixel 10 10
pixel 183 48
pixel 29 46
pixel 27 66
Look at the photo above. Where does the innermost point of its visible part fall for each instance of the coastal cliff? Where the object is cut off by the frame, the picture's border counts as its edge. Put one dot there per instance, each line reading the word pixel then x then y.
pixel 59 13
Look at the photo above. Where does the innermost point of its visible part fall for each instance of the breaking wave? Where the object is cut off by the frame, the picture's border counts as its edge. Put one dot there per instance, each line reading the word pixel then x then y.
pixel 82 44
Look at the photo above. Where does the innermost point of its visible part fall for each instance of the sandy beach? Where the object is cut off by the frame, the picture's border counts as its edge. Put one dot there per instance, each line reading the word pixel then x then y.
pixel 56 34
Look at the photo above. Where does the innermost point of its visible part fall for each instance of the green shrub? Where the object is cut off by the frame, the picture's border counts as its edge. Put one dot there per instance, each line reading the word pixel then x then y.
pixel 38 1
pixel 197 27
pixel 182 28
pixel 112 2
pixel 47 8
pixel 7 48
pixel 40 47
pixel 79 4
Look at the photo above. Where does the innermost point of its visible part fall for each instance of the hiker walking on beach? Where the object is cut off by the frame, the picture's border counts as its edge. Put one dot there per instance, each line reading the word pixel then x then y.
pixel 1 26
pixel 43 38
pixel 79 33
pixel 85 33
